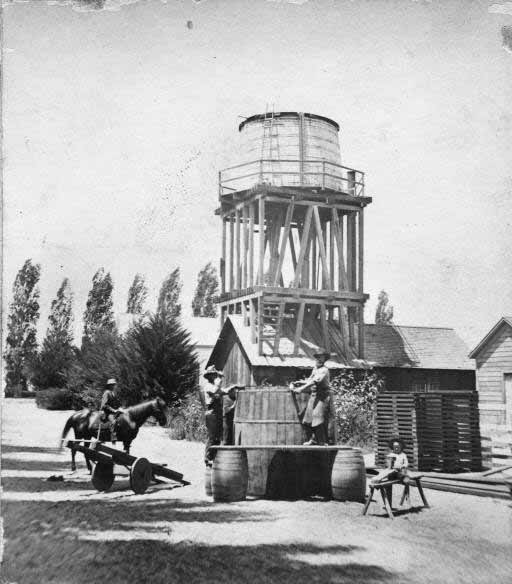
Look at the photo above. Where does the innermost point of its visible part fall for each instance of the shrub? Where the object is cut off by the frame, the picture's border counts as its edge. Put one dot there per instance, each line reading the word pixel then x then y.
pixel 354 398
pixel 187 420
pixel 55 398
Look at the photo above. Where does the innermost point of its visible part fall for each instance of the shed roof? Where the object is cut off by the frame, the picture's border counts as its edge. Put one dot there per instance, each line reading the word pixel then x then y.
pixel 504 321
pixel 385 346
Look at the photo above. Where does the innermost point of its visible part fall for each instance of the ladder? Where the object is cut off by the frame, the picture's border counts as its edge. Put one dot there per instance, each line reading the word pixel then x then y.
pixel 269 142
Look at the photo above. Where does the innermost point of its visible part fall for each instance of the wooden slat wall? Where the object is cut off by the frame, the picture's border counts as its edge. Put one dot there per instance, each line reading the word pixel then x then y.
pixel 441 430
pixel 492 363
pixel 448 432
pixel 395 417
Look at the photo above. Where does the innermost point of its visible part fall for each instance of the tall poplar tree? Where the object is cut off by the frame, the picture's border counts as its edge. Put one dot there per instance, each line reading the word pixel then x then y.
pixel 137 295
pixel 99 314
pixel 21 342
pixel 207 287
pixel 168 299
pixel 57 352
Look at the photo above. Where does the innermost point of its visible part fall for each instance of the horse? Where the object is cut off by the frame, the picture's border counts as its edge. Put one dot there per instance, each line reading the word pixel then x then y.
pixel 87 425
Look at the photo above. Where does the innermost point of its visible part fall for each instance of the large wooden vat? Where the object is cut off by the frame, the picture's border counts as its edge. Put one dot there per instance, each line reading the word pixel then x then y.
pixel 269 416
pixel 229 475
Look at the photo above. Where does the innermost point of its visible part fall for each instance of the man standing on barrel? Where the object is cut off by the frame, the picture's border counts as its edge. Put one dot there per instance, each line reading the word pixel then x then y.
pixel 316 416
pixel 213 416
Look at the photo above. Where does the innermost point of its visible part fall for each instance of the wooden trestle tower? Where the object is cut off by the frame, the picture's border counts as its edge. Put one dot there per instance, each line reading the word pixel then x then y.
pixel 293 241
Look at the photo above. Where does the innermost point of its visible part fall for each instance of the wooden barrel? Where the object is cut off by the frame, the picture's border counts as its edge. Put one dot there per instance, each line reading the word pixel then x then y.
pixel 266 416
pixel 208 480
pixel 348 477
pixel 229 475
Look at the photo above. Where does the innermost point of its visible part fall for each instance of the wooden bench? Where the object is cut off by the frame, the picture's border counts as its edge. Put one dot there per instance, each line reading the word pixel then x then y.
pixel 386 487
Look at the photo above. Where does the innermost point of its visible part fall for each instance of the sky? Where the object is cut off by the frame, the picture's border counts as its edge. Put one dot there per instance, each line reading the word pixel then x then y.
pixel 118 114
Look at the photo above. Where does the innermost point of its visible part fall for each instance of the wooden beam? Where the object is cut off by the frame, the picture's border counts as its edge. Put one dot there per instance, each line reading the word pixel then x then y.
pixel 361 346
pixel 284 242
pixel 244 246
pixel 261 220
pixel 275 233
pixel 308 203
pixel 223 259
pixel 292 250
pixel 331 255
pixel 351 251
pixel 251 244
pixel 279 326
pixel 260 325
pixel 321 248
pixel 252 317
pixel 360 270
pixel 325 329
pixel 298 329
pixel 231 251
pixel 237 249
pixel 338 235
pixel 344 331
pixel 303 245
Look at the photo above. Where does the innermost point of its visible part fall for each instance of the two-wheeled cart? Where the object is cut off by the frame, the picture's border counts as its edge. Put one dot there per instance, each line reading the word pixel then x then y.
pixel 142 471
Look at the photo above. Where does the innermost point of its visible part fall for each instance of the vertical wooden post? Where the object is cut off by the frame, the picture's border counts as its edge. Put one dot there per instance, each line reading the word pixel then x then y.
pixel 284 243
pixel 223 257
pixel 360 270
pixel 251 245
pixel 314 285
pixel 325 330
pixel 361 332
pixel 261 220
pixel 260 325
pixel 237 249
pixel 252 317
pixel 231 250
pixel 304 245
pixel 298 330
pixel 244 246
pixel 331 255
pixel 320 231
pixel 351 251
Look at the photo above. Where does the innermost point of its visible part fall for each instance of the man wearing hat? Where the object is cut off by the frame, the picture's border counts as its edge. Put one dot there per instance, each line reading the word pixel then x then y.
pixel 110 404
pixel 315 417
pixel 220 408
pixel 213 402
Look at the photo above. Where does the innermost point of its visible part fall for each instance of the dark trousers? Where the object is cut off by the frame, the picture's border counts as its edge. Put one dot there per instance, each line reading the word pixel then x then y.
pixel 318 432
pixel 214 433
pixel 227 428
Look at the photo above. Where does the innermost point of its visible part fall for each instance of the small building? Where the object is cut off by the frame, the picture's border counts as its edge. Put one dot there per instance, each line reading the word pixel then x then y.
pixel 493 356
pixel 411 359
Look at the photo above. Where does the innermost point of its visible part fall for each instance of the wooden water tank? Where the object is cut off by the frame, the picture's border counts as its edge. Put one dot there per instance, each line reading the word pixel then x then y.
pixel 267 416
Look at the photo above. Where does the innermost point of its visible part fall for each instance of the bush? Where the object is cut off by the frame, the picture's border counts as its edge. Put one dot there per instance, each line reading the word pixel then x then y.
pixel 187 420
pixel 354 398
pixel 55 398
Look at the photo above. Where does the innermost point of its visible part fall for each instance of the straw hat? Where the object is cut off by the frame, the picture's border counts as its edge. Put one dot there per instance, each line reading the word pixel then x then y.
pixel 111 381
pixel 212 372
pixel 322 353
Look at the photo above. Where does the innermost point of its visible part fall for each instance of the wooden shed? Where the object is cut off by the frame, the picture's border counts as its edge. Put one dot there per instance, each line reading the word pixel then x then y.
pixel 493 356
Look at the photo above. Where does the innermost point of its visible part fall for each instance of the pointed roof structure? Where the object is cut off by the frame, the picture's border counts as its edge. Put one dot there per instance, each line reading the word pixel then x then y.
pixel 504 321
pixel 386 346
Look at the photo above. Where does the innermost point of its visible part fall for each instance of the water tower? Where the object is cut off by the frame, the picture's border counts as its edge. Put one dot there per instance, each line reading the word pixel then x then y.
pixel 293 236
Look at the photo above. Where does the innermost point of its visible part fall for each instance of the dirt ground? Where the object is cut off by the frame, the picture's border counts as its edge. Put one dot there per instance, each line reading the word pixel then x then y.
pixel 66 532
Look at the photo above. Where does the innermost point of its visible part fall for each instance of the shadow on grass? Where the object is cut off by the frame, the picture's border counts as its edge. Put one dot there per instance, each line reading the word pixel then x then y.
pixel 118 544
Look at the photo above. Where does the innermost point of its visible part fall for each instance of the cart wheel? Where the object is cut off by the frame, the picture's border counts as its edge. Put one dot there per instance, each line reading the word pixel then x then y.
pixel 102 476
pixel 141 474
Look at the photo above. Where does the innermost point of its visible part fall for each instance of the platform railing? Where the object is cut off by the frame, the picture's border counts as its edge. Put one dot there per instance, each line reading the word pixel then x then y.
pixel 321 174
